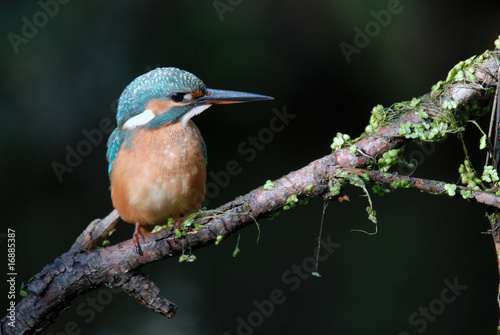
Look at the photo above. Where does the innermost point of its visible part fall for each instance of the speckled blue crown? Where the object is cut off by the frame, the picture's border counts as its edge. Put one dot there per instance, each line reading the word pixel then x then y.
pixel 156 84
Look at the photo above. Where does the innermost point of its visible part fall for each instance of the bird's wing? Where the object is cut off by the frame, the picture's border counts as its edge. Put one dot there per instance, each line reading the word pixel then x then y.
pixel 204 148
pixel 114 144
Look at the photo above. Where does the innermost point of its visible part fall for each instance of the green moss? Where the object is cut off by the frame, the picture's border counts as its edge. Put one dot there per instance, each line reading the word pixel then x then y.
pixel 490 175
pixel 466 194
pixel 401 184
pixel 292 199
pixel 380 190
pixel 335 190
pixel 468 176
pixel 388 159
pixel 451 189
pixel 219 239
pixel 309 187
pixel 340 141
pixel 268 185
pixel 187 258
pixel 274 214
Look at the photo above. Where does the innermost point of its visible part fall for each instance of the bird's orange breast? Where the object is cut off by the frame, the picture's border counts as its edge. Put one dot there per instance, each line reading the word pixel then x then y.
pixel 161 174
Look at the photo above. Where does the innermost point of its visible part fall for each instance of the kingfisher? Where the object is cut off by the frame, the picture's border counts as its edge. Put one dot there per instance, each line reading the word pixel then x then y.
pixel 157 157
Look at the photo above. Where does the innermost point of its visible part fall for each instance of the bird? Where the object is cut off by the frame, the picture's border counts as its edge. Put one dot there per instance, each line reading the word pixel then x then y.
pixel 157 157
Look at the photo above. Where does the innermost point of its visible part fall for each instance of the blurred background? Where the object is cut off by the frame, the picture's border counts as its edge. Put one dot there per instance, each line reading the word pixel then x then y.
pixel 430 269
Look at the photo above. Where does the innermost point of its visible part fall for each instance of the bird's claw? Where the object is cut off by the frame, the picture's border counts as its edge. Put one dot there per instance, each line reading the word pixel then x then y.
pixel 135 238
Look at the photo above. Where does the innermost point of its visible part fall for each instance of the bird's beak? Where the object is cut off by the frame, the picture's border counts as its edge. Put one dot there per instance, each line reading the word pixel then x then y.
pixel 214 97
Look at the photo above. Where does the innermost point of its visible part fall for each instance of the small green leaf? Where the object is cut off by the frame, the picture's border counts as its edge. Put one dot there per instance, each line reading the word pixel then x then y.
pixel 372 214
pixel 292 199
pixel 482 142
pixel 451 189
pixel 316 274
pixel 400 184
pixel 393 152
pixel 490 174
pixel 268 185
pixel 335 190
pixel 187 258
pixel 188 221
pixel 377 189
pixel 339 141
pixel 497 43
pixel 309 187
pixel 273 215
pixel 237 247
pixel 466 194
pixel 219 239
pixel 22 290
pixel 178 233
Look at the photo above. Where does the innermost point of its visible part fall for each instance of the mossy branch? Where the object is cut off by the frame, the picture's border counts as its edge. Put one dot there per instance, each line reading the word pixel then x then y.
pixel 463 95
pixel 396 181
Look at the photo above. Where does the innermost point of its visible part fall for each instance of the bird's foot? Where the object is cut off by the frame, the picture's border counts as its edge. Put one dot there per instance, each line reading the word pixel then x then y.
pixel 136 237
pixel 177 227
pixel 178 223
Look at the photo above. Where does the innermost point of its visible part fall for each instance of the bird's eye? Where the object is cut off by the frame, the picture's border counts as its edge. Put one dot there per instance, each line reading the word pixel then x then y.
pixel 177 97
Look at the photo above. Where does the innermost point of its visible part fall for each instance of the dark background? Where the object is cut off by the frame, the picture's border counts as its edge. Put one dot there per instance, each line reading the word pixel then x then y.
pixel 66 78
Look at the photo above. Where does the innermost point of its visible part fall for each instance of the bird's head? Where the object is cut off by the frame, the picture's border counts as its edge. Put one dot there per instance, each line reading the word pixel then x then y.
pixel 167 95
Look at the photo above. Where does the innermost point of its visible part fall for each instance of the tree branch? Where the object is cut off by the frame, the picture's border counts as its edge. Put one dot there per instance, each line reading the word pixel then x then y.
pixel 96 232
pixel 427 185
pixel 85 268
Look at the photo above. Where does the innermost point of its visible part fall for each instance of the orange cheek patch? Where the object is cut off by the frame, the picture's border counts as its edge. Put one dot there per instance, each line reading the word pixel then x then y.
pixel 159 106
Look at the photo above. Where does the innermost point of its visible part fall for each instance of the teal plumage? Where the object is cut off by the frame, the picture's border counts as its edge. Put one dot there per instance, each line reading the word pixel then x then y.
pixel 156 84
pixel 157 157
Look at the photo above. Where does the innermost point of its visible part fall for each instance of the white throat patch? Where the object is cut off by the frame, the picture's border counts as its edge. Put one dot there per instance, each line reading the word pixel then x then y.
pixel 139 120
pixel 195 111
